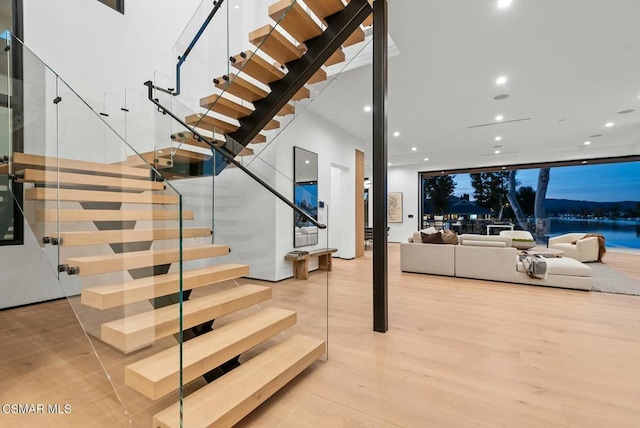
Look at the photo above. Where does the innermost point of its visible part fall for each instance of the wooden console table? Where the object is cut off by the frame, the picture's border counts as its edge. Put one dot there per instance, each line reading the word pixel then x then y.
pixel 301 261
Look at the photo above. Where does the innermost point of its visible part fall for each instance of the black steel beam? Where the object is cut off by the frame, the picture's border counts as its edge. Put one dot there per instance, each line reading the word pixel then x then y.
pixel 319 49
pixel 380 77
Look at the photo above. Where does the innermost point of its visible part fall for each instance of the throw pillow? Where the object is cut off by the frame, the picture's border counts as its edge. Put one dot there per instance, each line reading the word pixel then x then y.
pixel 433 238
pixel 450 237
pixel 429 230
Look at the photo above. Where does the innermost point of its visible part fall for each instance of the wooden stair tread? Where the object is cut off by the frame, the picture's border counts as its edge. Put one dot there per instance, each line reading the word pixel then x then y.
pixel 240 391
pixel 210 123
pixel 318 76
pixel 146 162
pixel 70 178
pixel 72 239
pixel 241 88
pixel 257 67
pixel 273 43
pixel 159 375
pixel 95 265
pixel 324 8
pixel 337 57
pixel 287 110
pixel 303 93
pixel 24 160
pixel 356 37
pixel 294 20
pixel 245 152
pixel 49 194
pixel 216 125
pixel 53 215
pixel 137 290
pixel 137 331
pixel 225 106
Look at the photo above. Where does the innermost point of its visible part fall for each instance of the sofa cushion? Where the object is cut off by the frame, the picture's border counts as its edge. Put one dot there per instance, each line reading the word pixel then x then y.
pixel 434 238
pixel 567 266
pixel 450 237
pixel 429 230
pixel 484 243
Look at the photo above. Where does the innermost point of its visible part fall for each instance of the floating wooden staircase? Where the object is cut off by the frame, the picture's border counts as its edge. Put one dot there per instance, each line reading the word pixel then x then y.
pixel 132 314
pixel 292 54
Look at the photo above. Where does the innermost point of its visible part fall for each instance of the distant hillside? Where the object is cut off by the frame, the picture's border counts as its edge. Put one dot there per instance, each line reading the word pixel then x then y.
pixel 568 205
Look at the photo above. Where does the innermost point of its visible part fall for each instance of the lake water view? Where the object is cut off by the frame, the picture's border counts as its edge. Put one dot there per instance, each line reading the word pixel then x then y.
pixel 617 233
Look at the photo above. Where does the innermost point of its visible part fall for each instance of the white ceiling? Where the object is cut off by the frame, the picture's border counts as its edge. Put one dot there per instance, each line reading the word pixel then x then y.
pixel 571 66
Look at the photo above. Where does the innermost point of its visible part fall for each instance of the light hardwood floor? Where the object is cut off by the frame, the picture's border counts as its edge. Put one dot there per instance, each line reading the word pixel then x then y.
pixel 458 353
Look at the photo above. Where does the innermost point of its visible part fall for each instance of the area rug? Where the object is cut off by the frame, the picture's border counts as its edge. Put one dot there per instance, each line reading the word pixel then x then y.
pixel 608 280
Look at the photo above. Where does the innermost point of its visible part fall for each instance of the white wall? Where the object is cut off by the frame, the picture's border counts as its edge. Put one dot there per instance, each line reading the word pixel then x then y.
pixel 405 180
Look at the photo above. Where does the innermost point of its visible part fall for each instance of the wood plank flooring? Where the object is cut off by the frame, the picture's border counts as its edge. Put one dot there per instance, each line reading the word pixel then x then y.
pixel 458 353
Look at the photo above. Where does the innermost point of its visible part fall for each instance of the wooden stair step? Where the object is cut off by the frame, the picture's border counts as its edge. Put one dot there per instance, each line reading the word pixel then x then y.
pixel 241 88
pixel 53 215
pixel 24 160
pixel 356 37
pixel 146 162
pixel 337 57
pixel 49 194
pixel 159 375
pixel 318 76
pixel 210 123
pixel 240 391
pixel 245 152
pixel 42 176
pixel 225 106
pixel 257 67
pixel 275 44
pixel 294 20
pixel 303 93
pixel 95 265
pixel 141 330
pixel 287 110
pixel 73 239
pixel 219 126
pixel 137 290
pixel 324 8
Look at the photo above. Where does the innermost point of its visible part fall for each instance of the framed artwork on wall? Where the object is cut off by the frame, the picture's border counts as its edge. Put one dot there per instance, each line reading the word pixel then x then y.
pixel 394 207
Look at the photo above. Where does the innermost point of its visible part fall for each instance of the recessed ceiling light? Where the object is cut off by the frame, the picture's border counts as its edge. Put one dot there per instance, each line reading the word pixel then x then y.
pixel 499 118
pixel 367 108
pixel 306 161
pixel 584 162
pixel 586 143
pixel 504 167
pixel 396 134
pixel 413 149
pixel 426 159
pixel 237 6
pixel 501 80
pixel 502 4
pixel 497 152
pixel 609 124
pixel 389 164
pixel 498 138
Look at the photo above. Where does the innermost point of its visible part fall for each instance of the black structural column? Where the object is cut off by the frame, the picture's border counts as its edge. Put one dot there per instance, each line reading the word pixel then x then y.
pixel 380 297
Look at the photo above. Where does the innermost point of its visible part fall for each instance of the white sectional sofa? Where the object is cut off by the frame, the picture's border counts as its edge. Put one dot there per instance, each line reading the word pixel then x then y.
pixel 584 250
pixel 490 258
